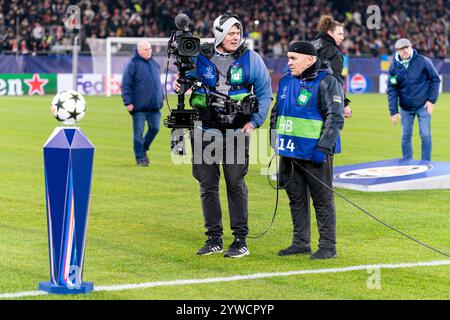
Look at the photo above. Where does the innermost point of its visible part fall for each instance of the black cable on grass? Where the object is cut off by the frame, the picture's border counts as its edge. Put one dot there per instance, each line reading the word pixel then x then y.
pixel 165 85
pixel 372 216
pixel 276 201
pixel 277 188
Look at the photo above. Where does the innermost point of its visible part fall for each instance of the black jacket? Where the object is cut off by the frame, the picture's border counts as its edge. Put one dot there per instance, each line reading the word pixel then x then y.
pixel 328 51
pixel 332 111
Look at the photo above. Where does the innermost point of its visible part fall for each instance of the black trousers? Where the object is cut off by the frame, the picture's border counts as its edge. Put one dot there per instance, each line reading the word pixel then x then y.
pixel 210 150
pixel 299 182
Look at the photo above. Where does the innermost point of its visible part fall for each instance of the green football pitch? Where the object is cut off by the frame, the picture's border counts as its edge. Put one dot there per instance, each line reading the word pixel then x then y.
pixel 145 223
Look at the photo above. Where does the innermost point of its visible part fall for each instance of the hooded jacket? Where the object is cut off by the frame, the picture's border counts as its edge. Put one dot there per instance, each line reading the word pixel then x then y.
pixel 328 50
pixel 329 103
pixel 413 86
pixel 141 84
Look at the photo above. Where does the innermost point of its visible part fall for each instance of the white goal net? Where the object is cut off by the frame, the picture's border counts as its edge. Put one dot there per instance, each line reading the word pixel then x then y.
pixel 110 55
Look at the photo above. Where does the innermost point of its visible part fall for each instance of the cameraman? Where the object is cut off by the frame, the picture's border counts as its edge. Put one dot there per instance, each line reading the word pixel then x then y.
pixel 226 67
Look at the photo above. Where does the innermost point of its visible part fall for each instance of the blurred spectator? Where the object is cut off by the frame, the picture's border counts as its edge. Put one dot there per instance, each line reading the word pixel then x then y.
pixel 278 22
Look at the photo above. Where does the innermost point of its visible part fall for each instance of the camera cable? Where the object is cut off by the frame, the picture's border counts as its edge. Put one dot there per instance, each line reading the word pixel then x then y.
pixel 371 215
pixel 344 198
pixel 341 196
pixel 277 188
pixel 165 86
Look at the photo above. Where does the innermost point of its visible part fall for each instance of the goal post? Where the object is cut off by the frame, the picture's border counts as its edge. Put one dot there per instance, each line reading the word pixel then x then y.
pixel 110 55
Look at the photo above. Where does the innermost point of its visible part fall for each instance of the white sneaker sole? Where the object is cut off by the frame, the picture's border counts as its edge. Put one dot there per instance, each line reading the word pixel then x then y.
pixel 209 253
pixel 246 253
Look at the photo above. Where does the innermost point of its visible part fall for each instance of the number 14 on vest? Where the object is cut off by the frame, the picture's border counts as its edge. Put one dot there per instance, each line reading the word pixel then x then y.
pixel 289 145
pixel 286 127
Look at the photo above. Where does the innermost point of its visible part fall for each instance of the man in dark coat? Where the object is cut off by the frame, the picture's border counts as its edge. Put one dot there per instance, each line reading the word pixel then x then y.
pixel 414 85
pixel 143 97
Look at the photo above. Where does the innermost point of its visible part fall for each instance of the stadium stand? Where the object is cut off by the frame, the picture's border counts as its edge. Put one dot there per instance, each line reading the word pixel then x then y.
pixel 31 26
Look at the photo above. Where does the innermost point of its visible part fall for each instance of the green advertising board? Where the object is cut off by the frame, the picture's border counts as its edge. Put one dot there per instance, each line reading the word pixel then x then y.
pixel 27 84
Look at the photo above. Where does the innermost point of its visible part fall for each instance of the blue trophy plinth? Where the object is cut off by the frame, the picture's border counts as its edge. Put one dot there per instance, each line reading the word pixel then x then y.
pixel 68 160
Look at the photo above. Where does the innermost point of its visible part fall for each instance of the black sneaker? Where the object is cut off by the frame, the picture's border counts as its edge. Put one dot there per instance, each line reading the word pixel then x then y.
pixel 143 163
pixel 238 249
pixel 211 246
pixel 294 249
pixel 324 253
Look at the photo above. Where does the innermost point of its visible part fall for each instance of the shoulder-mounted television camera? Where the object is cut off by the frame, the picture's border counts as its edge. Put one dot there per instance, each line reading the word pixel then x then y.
pixel 183 46
pixel 221 109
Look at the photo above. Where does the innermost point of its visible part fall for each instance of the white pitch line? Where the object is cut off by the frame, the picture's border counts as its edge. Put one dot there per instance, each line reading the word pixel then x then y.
pixel 22 294
pixel 239 277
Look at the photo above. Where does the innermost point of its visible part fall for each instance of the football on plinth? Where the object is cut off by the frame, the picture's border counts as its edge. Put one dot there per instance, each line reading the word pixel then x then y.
pixel 68 106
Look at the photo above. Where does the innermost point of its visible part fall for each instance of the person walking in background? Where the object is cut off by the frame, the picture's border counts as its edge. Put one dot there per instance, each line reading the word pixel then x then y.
pixel 143 97
pixel 414 85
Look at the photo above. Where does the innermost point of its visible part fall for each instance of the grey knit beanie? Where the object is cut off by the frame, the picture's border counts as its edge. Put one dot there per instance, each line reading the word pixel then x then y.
pixel 221 30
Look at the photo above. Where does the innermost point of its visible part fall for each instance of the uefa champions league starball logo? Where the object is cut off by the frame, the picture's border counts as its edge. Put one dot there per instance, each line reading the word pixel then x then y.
pixel 384 172
pixel 68 107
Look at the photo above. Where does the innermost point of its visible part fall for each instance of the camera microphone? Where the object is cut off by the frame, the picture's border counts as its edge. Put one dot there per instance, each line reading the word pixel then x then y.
pixel 182 22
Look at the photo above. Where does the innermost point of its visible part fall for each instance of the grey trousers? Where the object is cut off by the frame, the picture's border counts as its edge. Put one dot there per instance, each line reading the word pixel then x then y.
pixel 232 151
pixel 323 200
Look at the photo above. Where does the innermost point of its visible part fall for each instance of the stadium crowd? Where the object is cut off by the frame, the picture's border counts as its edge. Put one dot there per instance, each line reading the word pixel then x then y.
pixel 272 24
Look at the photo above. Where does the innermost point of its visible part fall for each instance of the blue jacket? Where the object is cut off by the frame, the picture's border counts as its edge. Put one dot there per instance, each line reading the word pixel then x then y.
pixel 141 84
pixel 413 86
pixel 262 87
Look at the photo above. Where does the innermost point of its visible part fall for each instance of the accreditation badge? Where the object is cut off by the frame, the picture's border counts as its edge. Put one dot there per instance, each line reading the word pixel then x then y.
pixel 393 80
pixel 303 98
pixel 236 75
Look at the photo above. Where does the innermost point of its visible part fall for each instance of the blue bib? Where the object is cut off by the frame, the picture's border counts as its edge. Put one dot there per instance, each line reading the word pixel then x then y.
pixel 299 122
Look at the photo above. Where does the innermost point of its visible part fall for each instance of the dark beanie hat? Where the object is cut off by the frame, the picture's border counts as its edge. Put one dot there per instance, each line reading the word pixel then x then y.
pixel 303 47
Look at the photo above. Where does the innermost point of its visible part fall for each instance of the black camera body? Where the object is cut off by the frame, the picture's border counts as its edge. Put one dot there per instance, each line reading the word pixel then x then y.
pixel 183 46
pixel 223 104
pixel 226 113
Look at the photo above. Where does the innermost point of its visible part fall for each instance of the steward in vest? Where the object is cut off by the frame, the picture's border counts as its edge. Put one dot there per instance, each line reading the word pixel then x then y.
pixel 308 117
pixel 226 67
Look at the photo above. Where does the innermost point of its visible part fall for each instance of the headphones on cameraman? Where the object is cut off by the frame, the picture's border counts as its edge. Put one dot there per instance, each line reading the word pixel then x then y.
pixel 224 17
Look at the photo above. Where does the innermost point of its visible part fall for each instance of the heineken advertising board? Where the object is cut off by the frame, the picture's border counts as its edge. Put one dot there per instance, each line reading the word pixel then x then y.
pixel 27 84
